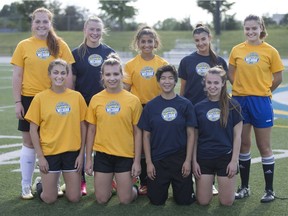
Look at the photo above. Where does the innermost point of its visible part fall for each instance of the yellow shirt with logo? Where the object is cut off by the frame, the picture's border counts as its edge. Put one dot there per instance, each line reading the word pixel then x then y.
pixel 140 74
pixel 58 117
pixel 33 56
pixel 255 66
pixel 114 116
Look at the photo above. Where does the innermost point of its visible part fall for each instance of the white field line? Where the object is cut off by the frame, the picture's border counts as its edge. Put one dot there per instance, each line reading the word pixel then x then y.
pixel 13 156
pixel 6 87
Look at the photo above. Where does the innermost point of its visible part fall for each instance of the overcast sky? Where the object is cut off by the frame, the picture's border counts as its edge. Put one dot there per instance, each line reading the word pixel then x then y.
pixel 151 11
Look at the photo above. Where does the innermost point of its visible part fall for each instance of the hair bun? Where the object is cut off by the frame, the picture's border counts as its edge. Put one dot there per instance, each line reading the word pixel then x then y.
pixel 114 56
pixel 199 25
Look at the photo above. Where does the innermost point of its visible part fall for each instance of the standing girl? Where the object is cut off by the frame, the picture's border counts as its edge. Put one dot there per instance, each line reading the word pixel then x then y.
pixel 168 123
pixel 255 71
pixel 217 142
pixel 140 76
pixel 89 57
pixel 30 62
pixel 113 134
pixel 193 67
pixel 58 131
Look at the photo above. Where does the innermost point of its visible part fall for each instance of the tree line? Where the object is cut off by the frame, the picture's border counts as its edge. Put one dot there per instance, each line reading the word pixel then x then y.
pixel 117 15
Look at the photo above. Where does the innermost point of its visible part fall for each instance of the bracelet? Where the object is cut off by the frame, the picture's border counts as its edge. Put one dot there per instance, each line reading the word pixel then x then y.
pixel 18 102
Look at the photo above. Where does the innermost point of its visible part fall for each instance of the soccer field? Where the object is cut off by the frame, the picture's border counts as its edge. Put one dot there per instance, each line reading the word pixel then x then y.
pixel 11 204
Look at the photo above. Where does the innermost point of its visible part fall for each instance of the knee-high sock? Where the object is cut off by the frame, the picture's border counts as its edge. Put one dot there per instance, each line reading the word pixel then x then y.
pixel 244 165
pixel 27 165
pixel 268 169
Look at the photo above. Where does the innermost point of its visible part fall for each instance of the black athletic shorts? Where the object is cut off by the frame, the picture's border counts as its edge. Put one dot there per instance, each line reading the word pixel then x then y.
pixel 216 166
pixel 106 163
pixel 24 125
pixel 64 162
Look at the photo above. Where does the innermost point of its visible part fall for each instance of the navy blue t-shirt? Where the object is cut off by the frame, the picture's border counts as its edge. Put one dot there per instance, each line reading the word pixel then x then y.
pixel 87 70
pixel 214 140
pixel 192 68
pixel 167 121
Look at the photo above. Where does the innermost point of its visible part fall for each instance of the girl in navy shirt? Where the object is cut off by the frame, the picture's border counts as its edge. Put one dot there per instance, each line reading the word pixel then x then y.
pixel 218 138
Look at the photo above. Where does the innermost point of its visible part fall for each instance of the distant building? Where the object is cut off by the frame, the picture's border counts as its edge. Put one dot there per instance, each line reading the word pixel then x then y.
pixel 277 17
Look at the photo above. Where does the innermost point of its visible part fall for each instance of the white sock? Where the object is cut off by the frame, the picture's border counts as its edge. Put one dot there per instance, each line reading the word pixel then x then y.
pixel 27 165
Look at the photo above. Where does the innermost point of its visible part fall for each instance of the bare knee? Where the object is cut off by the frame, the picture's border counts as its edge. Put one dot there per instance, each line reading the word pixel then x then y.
pixel 128 198
pixel 102 199
pixel 203 202
pixel 48 199
pixel 227 202
pixel 74 199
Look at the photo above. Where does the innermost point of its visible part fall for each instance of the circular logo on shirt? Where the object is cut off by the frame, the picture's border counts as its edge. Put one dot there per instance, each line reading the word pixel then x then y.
pixel 95 60
pixel 252 58
pixel 43 53
pixel 202 68
pixel 113 107
pixel 147 72
pixel 63 108
pixel 213 114
pixel 169 114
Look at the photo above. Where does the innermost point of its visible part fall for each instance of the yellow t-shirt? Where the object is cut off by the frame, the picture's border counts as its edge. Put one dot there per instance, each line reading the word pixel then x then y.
pixel 33 56
pixel 114 116
pixel 255 66
pixel 140 74
pixel 59 117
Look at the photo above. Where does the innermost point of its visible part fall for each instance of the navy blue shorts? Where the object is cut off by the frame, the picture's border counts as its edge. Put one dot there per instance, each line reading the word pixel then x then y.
pixel 62 162
pixel 256 110
pixel 216 166
pixel 24 125
pixel 106 163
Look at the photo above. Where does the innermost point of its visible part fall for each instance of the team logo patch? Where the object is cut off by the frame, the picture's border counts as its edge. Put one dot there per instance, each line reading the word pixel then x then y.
pixel 63 108
pixel 213 114
pixel 252 58
pixel 147 72
pixel 95 60
pixel 43 53
pixel 169 114
pixel 113 107
pixel 202 68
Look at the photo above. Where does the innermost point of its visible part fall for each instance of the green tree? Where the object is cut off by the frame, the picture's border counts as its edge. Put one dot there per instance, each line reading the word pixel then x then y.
pixel 117 11
pixel 284 20
pixel 216 8
pixel 171 24
pixel 185 24
pixel 25 9
pixel 72 19
pixel 269 21
pixel 230 23
pixel 10 20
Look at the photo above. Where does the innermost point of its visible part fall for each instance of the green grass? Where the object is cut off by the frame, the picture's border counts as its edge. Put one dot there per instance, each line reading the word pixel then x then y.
pixel 120 41
pixel 11 204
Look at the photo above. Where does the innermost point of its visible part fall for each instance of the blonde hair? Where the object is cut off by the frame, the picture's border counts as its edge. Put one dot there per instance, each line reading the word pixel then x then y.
pixel 112 59
pixel 225 99
pixel 83 46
